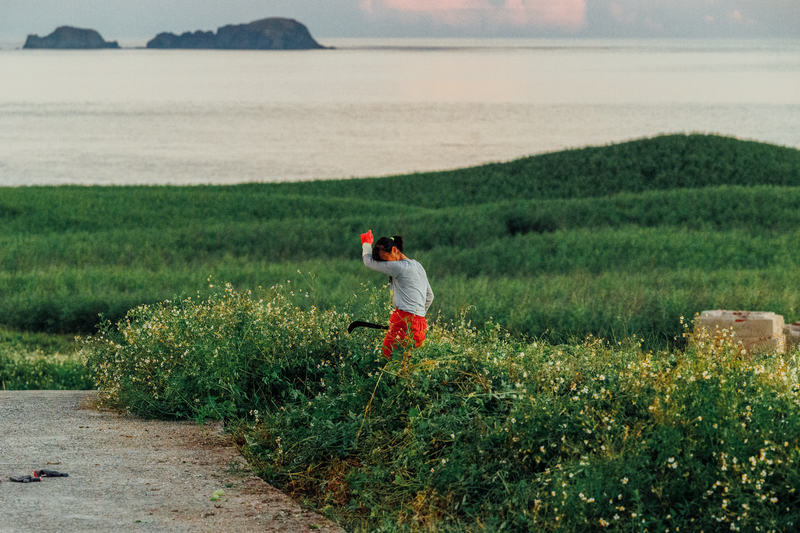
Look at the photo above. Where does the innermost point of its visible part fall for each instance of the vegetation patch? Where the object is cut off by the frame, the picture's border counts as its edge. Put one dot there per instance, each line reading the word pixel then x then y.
pixel 476 430
pixel 36 361
pixel 556 391
pixel 600 240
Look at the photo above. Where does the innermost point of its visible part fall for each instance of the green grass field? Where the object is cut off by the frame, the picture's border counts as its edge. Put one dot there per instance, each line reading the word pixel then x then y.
pixel 602 240
pixel 41 361
pixel 556 391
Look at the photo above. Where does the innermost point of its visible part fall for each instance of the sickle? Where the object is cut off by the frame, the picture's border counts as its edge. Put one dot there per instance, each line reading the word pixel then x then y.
pixel 360 324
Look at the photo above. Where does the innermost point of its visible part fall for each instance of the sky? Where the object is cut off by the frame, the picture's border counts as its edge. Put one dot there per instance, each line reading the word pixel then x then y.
pixel 136 21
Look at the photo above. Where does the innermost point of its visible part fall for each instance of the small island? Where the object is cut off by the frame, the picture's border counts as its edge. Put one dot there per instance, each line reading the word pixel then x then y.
pixel 273 33
pixel 68 38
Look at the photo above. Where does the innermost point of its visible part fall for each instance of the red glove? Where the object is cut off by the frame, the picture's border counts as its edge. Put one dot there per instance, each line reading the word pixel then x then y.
pixel 366 238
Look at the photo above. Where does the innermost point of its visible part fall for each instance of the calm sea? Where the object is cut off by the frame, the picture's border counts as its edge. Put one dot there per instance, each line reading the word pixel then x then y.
pixel 373 107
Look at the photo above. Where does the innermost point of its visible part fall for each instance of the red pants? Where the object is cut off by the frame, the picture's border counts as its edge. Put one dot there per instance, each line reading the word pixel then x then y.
pixel 399 324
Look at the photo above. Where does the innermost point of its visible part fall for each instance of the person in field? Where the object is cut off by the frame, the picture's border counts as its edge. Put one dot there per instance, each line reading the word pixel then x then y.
pixel 409 285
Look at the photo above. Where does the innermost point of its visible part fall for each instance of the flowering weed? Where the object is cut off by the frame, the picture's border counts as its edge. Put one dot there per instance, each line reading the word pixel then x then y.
pixel 476 430
pixel 40 362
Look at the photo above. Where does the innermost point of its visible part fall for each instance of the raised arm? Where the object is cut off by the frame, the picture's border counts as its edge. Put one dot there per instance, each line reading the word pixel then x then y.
pixel 366 244
pixel 390 268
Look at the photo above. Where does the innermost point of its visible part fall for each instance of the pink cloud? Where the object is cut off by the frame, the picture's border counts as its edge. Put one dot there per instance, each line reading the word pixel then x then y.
pixel 432 5
pixel 570 14
pixel 563 13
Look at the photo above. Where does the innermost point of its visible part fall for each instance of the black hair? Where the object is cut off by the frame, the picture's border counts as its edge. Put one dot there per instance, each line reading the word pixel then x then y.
pixel 398 241
pixel 385 244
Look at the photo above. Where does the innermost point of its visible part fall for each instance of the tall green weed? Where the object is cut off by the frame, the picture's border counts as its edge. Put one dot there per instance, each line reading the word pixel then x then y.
pixel 475 430
pixel 40 362
pixel 717 207
pixel 216 357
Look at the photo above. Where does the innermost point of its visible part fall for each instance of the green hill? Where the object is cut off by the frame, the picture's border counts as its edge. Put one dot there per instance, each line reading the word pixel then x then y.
pixel 601 240
pixel 660 163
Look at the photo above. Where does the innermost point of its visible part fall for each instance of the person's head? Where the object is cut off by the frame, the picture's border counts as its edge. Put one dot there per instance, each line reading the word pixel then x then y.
pixel 382 248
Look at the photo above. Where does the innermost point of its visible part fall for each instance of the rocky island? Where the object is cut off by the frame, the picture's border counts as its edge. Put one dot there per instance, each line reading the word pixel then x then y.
pixel 68 38
pixel 267 34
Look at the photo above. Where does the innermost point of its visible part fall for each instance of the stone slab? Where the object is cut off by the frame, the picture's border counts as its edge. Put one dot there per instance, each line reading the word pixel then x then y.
pixel 792 334
pixel 759 331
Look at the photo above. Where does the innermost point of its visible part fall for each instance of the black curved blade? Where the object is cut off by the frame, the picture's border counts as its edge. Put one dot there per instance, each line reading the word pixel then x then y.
pixel 360 324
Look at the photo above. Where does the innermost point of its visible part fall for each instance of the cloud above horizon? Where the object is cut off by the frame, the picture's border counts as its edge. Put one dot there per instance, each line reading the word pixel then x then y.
pixel 142 19
pixel 561 14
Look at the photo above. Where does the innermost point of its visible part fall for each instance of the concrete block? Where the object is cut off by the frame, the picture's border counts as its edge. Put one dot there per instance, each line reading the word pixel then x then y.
pixel 792 333
pixel 759 331
pixel 761 345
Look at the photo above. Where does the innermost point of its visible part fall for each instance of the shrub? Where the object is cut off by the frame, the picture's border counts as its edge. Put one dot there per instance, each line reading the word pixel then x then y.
pixel 215 358
pixel 476 430
pixel 37 370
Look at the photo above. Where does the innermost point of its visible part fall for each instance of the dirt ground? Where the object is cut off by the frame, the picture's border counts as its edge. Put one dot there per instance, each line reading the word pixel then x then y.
pixel 129 474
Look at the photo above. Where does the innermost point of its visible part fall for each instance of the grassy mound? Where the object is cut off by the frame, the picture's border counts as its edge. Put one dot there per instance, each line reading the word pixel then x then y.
pixel 603 240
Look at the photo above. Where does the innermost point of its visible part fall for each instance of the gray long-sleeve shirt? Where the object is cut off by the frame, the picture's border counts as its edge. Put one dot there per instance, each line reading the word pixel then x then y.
pixel 407 279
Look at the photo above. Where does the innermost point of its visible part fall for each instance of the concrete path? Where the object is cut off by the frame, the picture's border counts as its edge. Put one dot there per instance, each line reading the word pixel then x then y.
pixel 128 474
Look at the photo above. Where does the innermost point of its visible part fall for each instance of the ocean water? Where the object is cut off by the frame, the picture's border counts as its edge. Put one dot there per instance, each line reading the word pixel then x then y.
pixel 373 107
